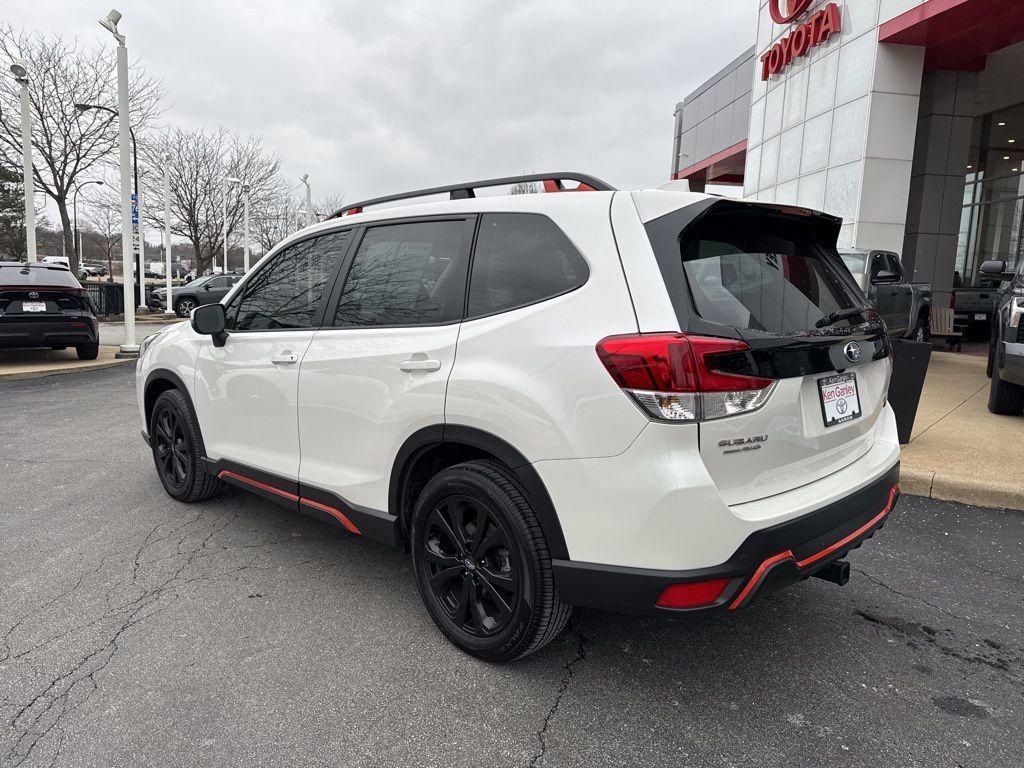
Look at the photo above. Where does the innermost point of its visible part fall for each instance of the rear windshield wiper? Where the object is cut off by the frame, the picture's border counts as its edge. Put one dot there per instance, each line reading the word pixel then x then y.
pixel 835 317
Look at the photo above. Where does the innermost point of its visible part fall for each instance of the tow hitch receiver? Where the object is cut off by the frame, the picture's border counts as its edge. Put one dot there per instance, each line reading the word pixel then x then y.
pixel 837 572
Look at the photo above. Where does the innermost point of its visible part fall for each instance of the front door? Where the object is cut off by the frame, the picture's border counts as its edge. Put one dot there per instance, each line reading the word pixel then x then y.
pixel 377 372
pixel 246 391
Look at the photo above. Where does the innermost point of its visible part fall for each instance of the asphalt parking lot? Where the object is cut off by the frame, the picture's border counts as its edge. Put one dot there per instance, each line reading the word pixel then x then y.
pixel 137 631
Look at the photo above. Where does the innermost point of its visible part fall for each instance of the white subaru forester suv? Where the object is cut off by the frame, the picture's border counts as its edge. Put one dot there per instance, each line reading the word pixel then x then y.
pixel 653 401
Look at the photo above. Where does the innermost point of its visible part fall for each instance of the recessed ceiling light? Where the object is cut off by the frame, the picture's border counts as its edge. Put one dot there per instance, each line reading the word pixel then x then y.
pixel 1007 157
pixel 1001 125
pixel 1013 141
pixel 969 167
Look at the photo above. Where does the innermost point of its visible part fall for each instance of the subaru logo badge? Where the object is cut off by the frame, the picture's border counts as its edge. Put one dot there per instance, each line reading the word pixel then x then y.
pixel 33 294
pixel 852 351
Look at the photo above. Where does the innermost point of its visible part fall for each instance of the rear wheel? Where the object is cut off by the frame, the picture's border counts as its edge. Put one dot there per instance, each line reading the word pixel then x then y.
pixel 87 351
pixel 174 439
pixel 183 307
pixel 923 329
pixel 1005 398
pixel 482 564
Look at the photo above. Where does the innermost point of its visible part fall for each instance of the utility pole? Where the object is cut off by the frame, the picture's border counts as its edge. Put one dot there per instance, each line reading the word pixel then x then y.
pixel 20 72
pixel 309 201
pixel 245 225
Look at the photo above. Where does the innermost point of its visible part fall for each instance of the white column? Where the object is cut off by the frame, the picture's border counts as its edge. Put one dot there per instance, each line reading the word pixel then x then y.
pixel 129 348
pixel 245 225
pixel 26 157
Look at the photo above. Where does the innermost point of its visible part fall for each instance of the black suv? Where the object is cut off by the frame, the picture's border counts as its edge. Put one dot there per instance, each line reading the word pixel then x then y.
pixel 202 290
pixel 1006 352
pixel 43 305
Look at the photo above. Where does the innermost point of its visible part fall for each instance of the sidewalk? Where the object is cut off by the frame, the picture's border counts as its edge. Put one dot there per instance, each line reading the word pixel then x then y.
pixel 958 450
pixel 34 363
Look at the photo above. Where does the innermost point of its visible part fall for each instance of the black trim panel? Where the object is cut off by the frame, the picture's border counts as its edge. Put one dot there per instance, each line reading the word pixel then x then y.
pixel 636 589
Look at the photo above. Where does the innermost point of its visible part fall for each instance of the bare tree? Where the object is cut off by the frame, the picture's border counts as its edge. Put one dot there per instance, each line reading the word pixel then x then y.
pixel 327 206
pixel 67 145
pixel 103 226
pixel 200 161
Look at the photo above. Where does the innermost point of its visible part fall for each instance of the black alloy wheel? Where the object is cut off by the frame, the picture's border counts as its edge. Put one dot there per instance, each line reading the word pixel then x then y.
pixel 175 440
pixel 472 574
pixel 171 450
pixel 482 563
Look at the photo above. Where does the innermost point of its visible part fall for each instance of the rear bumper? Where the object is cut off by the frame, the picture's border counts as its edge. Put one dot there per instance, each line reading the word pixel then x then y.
pixel 48 332
pixel 767 560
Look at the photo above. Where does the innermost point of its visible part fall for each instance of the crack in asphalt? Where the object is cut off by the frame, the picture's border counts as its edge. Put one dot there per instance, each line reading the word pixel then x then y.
pixel 916 598
pixel 62 694
pixel 569 666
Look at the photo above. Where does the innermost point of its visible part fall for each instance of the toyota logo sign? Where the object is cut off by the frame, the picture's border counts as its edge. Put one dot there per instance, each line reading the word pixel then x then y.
pixel 794 8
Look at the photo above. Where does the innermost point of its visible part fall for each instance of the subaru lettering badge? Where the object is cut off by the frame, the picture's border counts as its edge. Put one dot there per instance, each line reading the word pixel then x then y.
pixel 852 351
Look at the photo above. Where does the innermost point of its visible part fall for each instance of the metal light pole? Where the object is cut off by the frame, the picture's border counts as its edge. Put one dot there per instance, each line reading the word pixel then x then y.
pixel 20 72
pixel 74 207
pixel 166 158
pixel 245 226
pixel 228 180
pixel 309 200
pixel 129 348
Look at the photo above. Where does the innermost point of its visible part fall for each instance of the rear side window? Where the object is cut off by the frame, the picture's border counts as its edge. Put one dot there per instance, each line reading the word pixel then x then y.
pixel 407 274
pixel 761 273
pixel 520 259
pixel 286 293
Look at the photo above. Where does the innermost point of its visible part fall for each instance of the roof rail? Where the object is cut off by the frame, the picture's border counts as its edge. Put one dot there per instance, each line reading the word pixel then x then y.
pixel 552 183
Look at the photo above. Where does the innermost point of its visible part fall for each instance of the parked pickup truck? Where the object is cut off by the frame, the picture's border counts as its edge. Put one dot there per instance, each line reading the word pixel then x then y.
pixel 905 306
pixel 973 308
pixel 1006 349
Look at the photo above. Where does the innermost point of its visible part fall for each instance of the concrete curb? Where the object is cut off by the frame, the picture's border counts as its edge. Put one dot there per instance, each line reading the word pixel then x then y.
pixel 978 493
pixel 98 365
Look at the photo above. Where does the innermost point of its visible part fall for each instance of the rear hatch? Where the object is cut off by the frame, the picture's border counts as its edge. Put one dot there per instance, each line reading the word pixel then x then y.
pixel 40 293
pixel 770 277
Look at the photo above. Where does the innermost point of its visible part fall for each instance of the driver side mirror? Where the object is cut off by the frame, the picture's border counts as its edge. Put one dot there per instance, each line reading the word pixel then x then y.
pixel 884 276
pixel 996 269
pixel 210 320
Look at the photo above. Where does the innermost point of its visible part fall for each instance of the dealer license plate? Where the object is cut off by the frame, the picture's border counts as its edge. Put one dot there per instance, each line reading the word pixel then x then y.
pixel 981 316
pixel 33 306
pixel 839 400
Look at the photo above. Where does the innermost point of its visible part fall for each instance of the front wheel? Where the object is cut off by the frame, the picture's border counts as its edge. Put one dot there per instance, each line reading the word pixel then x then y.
pixel 184 307
pixel 482 564
pixel 174 439
pixel 1005 398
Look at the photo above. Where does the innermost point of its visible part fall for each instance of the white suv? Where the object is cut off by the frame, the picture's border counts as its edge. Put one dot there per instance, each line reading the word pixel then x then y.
pixel 650 401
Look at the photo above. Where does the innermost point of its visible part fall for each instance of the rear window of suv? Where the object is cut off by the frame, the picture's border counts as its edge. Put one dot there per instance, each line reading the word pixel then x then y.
pixel 23 274
pixel 761 273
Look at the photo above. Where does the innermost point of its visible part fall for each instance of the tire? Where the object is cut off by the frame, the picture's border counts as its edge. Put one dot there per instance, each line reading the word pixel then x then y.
pixel 492 593
pixel 88 351
pixel 174 440
pixel 1005 398
pixel 923 329
pixel 183 307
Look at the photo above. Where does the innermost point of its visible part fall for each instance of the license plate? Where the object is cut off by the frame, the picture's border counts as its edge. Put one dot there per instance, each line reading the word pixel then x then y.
pixel 839 400
pixel 980 316
pixel 33 306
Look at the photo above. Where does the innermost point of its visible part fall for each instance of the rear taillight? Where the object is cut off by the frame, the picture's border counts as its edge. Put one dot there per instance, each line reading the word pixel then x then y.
pixel 674 376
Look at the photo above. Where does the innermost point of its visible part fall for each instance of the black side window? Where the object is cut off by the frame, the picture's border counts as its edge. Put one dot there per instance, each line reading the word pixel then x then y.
pixel 520 259
pixel 217 282
pixel 407 274
pixel 286 292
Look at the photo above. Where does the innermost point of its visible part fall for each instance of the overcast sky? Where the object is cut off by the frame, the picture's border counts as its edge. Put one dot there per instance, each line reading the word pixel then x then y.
pixel 372 98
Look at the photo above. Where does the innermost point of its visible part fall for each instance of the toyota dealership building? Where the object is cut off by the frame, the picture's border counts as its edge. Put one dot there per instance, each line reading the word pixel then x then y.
pixel 905 117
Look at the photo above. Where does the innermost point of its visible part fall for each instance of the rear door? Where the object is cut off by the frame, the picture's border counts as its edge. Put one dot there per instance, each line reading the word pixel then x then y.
pixel 772 278
pixel 376 373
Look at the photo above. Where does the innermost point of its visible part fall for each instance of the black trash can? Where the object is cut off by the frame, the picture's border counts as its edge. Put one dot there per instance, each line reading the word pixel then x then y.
pixel 910 364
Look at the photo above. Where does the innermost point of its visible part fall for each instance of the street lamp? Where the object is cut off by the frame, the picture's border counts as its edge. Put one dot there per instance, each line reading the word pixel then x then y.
pixel 245 226
pixel 135 187
pixel 228 180
pixel 166 159
pixel 20 72
pixel 309 200
pixel 129 348
pixel 74 206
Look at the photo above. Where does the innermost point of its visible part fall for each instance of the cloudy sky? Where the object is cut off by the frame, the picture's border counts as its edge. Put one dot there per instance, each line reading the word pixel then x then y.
pixel 372 98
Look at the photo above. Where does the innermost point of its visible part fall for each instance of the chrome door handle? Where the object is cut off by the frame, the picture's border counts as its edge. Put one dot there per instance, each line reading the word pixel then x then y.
pixel 285 359
pixel 423 364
